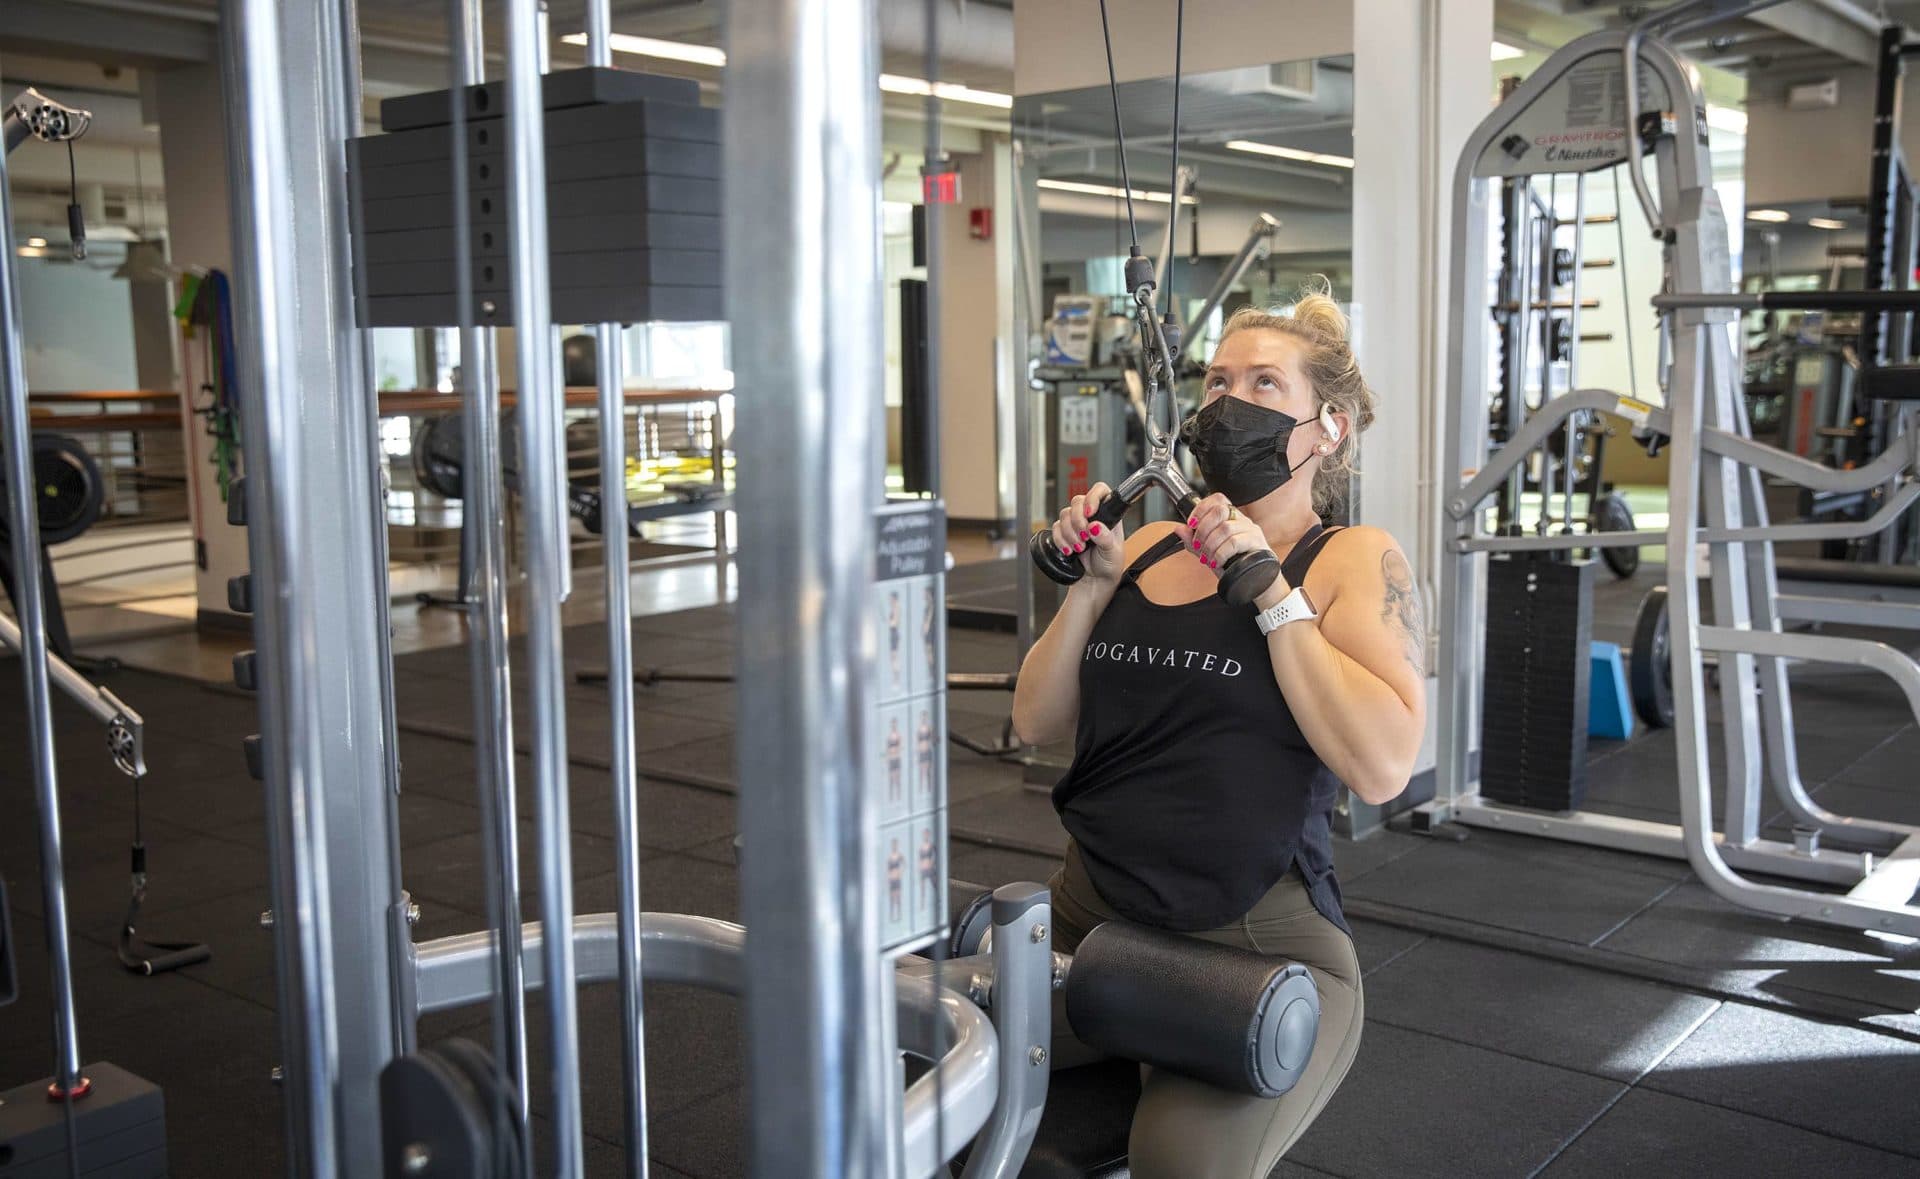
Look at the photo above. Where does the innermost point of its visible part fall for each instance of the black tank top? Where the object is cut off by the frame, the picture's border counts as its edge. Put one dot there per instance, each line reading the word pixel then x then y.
pixel 1192 789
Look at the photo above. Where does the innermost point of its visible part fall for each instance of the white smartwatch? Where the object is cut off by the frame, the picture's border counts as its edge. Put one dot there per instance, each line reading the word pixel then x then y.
pixel 1291 608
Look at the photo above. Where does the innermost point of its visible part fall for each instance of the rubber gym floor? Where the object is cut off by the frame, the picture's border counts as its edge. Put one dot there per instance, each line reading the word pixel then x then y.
pixel 1532 1007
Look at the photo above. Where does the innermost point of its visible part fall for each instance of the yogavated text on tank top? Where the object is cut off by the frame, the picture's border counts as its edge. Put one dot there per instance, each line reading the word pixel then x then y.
pixel 1174 658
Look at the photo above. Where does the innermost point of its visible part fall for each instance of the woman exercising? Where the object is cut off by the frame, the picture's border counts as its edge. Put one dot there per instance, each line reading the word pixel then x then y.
pixel 1210 739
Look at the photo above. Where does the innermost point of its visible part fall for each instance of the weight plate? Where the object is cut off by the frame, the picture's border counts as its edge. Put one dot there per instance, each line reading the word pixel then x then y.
pixel 67 487
pixel 438 449
pixel 1650 666
pixel 1613 515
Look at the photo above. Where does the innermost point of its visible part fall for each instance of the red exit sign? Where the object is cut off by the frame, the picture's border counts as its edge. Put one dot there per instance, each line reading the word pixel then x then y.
pixel 940 188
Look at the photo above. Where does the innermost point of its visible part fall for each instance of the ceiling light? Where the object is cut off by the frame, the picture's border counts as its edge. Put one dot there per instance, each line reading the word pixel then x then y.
pixel 1769 215
pixel 707 55
pixel 1505 52
pixel 1289 153
pixel 36 243
pixel 32 251
pixel 1727 118
pixel 1108 190
pixel 946 91
pixel 1826 223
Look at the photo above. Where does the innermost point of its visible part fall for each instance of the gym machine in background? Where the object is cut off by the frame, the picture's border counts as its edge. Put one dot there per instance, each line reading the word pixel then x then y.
pixel 1098 415
pixel 1537 316
pixel 1245 575
pixel 52 493
pixel 834 981
pixel 1715 501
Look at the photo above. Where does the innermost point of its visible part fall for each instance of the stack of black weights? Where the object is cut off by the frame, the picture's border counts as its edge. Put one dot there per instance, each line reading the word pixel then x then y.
pixel 633 204
pixel 1533 720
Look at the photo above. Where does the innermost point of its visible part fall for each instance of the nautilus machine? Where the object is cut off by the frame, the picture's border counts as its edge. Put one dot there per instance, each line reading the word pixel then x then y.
pixel 846 961
pixel 1611 99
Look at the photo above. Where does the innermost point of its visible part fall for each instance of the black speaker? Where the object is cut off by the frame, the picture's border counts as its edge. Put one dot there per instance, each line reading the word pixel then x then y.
pixel 916 388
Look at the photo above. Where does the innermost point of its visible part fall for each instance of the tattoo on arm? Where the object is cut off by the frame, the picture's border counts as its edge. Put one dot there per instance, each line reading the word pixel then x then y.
pixel 1401 609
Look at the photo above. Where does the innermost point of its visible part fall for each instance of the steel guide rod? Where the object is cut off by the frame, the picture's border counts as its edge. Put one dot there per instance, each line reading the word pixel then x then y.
pixel 540 413
pixel 24 524
pixel 482 523
pixel 610 371
pixel 802 154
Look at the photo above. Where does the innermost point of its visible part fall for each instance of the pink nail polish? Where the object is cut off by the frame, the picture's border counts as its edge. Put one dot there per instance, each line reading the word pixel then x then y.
pixel 1192 520
pixel 1083 536
pixel 1096 530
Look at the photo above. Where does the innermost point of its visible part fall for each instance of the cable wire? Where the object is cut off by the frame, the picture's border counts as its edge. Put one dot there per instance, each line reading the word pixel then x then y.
pixel 1173 215
pixel 1626 299
pixel 1119 134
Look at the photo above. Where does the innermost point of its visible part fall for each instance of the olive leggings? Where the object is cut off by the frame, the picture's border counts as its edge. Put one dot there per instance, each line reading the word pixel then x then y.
pixel 1187 1128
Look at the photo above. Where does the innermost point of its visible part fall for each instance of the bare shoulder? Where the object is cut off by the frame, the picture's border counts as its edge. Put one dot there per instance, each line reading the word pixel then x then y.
pixel 1361 543
pixel 1362 557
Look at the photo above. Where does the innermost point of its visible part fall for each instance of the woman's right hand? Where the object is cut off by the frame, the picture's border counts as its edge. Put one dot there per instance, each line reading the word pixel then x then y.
pixel 1101 549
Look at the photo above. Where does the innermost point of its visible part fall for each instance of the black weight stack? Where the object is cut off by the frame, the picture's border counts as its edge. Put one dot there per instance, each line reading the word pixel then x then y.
pixel 1533 726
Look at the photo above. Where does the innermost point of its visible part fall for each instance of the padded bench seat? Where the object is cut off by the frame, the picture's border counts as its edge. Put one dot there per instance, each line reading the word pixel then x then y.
pixel 1846 572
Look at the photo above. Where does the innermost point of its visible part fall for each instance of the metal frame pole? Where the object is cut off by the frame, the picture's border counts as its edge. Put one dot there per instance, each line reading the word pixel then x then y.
pixel 338 82
pixel 621 736
pixel 803 282
pixel 1573 338
pixel 1462 573
pixel 1026 313
pixel 306 494
pixel 24 523
pixel 545 480
pixel 482 523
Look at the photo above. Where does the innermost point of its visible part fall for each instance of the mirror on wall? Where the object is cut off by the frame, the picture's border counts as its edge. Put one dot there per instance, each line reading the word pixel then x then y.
pixel 1269 150
pixel 1271 141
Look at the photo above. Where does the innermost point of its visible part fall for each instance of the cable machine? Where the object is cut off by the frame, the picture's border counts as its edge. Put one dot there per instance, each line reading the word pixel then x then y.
pixel 1865 871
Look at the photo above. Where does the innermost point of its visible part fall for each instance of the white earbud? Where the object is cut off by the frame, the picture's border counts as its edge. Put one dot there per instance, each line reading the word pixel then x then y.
pixel 1329 425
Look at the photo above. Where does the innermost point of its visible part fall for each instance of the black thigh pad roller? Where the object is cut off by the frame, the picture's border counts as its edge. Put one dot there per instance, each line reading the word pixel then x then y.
pixel 1220 1014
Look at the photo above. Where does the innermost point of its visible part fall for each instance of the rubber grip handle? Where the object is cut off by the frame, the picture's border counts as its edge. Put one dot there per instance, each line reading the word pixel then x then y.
pixel 1065 568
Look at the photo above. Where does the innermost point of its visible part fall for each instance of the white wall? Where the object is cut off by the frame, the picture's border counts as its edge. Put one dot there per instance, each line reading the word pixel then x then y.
pixel 975 305
pixel 76 321
pixel 1057 46
pixel 1818 154
pixel 1401 248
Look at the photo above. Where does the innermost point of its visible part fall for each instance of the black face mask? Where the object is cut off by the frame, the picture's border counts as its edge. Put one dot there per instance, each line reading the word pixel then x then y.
pixel 1241 447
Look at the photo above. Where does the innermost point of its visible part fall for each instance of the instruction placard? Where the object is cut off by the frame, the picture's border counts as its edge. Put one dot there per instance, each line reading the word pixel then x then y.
pixel 907 741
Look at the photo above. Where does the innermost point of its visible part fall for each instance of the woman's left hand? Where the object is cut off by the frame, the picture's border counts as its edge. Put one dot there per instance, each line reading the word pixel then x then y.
pixel 1218 531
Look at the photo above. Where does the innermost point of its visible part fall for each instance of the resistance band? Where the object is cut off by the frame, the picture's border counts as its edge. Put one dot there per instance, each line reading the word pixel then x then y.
pixel 206 302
